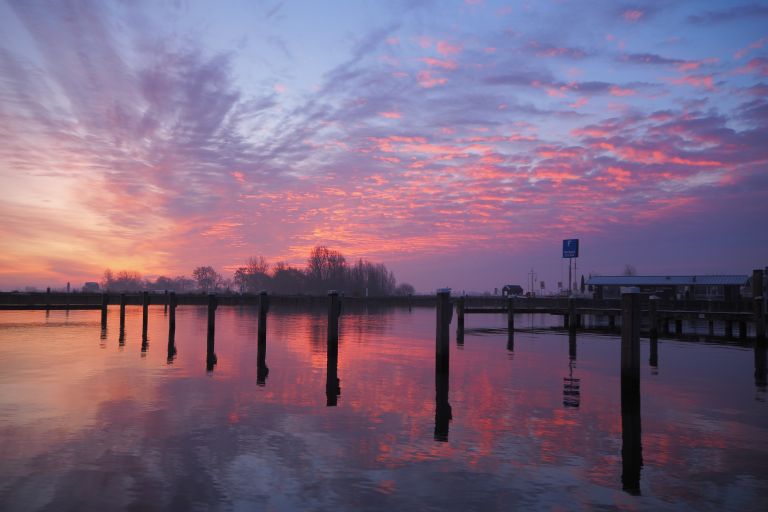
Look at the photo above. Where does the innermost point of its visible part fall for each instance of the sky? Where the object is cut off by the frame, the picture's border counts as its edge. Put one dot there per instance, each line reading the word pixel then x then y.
pixel 458 142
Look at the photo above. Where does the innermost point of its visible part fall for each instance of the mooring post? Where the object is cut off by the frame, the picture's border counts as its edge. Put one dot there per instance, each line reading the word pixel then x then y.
pixel 122 313
pixel 630 341
pixel 104 302
pixel 144 314
pixel 332 383
pixel 631 447
pixel 460 304
pixel 611 322
pixel 165 302
pixel 761 365
pixel 261 346
pixel 758 298
pixel 711 327
pixel 653 316
pixel 172 302
pixel 511 315
pixel 678 327
pixel 729 328
pixel 210 356
pixel 572 320
pixel 444 313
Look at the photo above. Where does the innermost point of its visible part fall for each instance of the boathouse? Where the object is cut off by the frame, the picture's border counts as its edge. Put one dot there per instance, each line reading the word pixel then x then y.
pixel 713 287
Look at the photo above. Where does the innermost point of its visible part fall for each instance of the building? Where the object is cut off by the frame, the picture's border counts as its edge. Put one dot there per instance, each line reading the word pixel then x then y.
pixel 512 290
pixel 91 287
pixel 715 287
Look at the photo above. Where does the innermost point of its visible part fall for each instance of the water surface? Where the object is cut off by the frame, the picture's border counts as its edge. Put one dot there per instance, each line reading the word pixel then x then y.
pixel 91 421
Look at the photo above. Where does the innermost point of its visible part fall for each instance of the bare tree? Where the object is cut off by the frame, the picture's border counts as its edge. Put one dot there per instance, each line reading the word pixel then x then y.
pixel 630 270
pixel 207 278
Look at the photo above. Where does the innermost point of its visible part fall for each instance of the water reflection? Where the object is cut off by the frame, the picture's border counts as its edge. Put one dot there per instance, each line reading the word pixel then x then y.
pixel 631 444
pixel 443 411
pixel 87 418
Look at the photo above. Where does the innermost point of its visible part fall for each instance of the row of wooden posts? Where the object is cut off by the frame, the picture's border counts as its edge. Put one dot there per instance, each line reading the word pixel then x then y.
pixel 631 316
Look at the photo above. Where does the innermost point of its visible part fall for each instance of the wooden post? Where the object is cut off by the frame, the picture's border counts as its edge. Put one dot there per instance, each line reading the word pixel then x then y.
pixel 104 302
pixel 171 328
pixel 758 298
pixel 48 298
pixel 144 314
pixel 761 365
pixel 678 326
pixel 444 313
pixel 572 317
pixel 261 346
pixel 631 449
pixel 510 323
pixel 332 383
pixel 729 328
pixel 460 304
pixel 630 341
pixel 711 327
pixel 210 356
pixel 172 317
pixel 165 303
pixel 612 322
pixel 742 329
pixel 653 316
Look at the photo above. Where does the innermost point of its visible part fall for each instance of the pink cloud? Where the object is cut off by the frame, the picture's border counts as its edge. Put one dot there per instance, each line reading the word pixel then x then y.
pixel 391 115
pixel 437 63
pixel 633 15
pixel 579 103
pixel 757 65
pixel 756 45
pixel 615 90
pixel 705 81
pixel 427 80
pixel 447 49
pixel 239 177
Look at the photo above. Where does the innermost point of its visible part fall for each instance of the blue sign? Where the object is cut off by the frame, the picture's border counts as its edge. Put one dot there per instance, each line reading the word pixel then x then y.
pixel 571 248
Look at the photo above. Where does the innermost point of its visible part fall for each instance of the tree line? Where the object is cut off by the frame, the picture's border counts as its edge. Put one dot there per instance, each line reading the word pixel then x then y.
pixel 326 269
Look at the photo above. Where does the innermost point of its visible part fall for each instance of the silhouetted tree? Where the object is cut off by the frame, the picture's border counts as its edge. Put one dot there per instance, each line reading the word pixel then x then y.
pixel 287 279
pixel 122 281
pixel 326 269
pixel 405 289
pixel 630 270
pixel 253 277
pixel 207 278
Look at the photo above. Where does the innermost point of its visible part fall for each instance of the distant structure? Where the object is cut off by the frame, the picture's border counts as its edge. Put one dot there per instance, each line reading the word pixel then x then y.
pixel 512 290
pixel 715 287
pixel 91 287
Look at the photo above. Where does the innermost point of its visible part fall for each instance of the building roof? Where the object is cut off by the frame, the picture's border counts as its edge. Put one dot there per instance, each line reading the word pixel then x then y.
pixel 734 280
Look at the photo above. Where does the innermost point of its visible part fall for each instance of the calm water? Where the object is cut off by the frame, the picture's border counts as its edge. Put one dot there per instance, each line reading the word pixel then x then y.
pixel 88 422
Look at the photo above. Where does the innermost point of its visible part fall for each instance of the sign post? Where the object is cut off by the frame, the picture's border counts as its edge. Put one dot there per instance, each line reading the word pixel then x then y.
pixel 570 251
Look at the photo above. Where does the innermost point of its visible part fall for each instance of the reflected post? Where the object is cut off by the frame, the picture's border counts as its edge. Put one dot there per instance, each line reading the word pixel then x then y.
pixel 332 387
pixel 653 313
pixel 443 413
pixel 631 447
pixel 261 347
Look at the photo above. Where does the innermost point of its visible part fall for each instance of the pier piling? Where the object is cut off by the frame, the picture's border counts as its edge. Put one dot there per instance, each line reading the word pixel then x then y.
pixel 172 302
pixel 144 314
pixel 104 302
pixel 759 307
pixel 261 346
pixel 444 313
pixel 332 383
pixel 630 342
pixel 122 313
pixel 210 356
pixel 460 304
